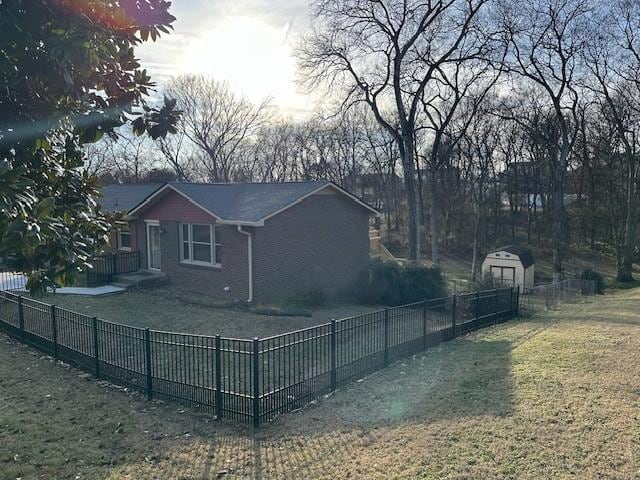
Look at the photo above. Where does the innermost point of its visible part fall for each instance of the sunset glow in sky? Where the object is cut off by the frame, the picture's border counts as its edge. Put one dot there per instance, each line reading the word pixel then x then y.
pixel 248 43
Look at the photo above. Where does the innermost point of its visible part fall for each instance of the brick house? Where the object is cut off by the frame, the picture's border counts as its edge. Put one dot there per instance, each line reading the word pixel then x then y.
pixel 246 241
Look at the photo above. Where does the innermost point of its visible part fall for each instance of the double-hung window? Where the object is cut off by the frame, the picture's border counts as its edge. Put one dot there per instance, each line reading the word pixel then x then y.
pixel 198 244
pixel 124 237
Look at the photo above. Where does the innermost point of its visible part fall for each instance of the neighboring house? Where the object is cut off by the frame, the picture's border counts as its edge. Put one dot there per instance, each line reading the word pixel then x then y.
pixel 513 265
pixel 377 189
pixel 528 185
pixel 248 241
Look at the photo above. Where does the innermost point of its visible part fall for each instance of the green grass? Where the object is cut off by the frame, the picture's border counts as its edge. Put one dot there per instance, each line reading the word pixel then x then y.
pixel 551 396
pixel 164 309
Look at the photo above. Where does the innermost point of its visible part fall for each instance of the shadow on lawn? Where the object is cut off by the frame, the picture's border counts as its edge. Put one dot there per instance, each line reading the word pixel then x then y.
pixel 467 378
pixel 462 379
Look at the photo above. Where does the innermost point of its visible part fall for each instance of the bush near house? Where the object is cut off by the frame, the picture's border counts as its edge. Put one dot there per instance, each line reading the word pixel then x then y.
pixel 597 277
pixel 389 283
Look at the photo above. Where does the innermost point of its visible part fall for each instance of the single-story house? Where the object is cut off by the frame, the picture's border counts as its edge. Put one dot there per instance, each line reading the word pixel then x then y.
pixel 246 241
pixel 513 265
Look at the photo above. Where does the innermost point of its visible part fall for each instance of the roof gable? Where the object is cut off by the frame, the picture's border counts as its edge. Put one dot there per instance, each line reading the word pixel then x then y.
pixel 246 203
pixel 524 254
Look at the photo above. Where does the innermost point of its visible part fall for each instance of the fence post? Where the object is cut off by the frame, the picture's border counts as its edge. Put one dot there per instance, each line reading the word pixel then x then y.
pixel 256 382
pixel 424 325
pixel 511 309
pixel 495 306
pixel 334 373
pixel 96 348
pixel 21 314
pixel 147 349
pixel 386 337
pixel 218 379
pixel 476 308
pixel 114 264
pixel 518 301
pixel 454 301
pixel 54 330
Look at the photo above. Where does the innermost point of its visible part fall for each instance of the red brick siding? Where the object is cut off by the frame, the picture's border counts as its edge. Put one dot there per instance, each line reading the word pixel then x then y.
pixel 174 207
pixel 321 243
pixel 233 272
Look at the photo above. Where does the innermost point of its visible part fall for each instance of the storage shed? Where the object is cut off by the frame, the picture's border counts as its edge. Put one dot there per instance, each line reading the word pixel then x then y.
pixel 513 265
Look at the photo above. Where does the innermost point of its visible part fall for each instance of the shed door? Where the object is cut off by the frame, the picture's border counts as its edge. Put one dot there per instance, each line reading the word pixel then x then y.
pixel 506 275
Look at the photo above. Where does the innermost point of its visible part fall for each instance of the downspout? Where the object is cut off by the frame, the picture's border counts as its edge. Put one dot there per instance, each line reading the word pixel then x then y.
pixel 250 258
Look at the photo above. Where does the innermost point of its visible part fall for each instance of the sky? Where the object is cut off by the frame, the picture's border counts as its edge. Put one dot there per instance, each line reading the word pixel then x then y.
pixel 248 43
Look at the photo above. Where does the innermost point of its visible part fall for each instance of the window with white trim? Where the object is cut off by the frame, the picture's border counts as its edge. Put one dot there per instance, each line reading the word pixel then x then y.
pixel 124 237
pixel 198 244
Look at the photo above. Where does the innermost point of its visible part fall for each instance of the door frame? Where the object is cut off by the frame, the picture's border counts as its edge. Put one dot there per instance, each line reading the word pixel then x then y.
pixel 151 223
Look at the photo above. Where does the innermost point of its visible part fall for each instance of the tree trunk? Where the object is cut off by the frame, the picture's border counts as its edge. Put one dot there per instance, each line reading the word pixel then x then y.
pixel 557 220
pixel 412 198
pixel 433 219
pixel 476 235
pixel 625 268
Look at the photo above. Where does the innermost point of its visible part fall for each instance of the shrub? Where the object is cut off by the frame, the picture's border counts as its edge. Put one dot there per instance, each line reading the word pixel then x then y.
pixel 391 284
pixel 597 277
pixel 421 283
pixel 486 282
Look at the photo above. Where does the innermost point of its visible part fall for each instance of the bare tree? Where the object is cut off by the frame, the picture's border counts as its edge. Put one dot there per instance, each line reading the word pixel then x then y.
pixel 386 55
pixel 177 154
pixel 613 60
pixel 216 120
pixel 546 38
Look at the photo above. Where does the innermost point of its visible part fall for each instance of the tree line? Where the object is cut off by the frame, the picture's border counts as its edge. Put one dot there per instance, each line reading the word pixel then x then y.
pixel 468 122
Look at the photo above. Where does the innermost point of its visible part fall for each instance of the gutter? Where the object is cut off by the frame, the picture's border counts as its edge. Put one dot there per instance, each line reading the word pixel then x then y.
pixel 250 257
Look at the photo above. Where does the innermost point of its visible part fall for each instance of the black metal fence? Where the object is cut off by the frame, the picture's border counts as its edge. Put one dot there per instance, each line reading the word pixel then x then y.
pixel 253 380
pixel 106 265
pixel 551 295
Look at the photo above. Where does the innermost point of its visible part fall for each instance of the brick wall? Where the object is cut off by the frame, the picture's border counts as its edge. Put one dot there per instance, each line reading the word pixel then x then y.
pixel 232 273
pixel 320 243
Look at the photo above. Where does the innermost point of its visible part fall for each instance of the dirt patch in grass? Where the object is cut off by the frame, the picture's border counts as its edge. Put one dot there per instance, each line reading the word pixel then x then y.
pixel 552 396
pixel 161 310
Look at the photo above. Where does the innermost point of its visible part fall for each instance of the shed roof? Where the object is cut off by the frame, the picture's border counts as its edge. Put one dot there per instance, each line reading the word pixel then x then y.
pixel 523 253
pixel 248 203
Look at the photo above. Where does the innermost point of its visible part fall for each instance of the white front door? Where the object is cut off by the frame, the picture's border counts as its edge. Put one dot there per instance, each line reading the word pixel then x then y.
pixel 153 246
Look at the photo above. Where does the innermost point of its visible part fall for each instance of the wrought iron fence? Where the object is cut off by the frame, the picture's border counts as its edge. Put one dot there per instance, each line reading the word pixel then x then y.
pixel 105 266
pixel 547 296
pixel 253 380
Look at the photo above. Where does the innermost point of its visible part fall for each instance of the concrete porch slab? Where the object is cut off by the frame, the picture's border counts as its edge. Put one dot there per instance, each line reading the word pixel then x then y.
pixel 91 292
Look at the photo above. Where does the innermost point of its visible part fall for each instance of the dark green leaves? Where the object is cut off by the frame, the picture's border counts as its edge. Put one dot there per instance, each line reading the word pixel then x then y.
pixel 68 76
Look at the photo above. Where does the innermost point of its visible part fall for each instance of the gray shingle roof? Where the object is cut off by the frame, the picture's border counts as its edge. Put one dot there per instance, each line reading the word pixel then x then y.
pixel 123 197
pixel 246 202
pixel 232 202
pixel 525 254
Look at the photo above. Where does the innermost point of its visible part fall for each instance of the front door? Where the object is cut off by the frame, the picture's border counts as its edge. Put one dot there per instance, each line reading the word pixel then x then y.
pixel 153 246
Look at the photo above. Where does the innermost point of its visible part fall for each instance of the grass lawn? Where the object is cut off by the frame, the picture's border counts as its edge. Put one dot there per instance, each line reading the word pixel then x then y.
pixel 552 396
pixel 162 309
